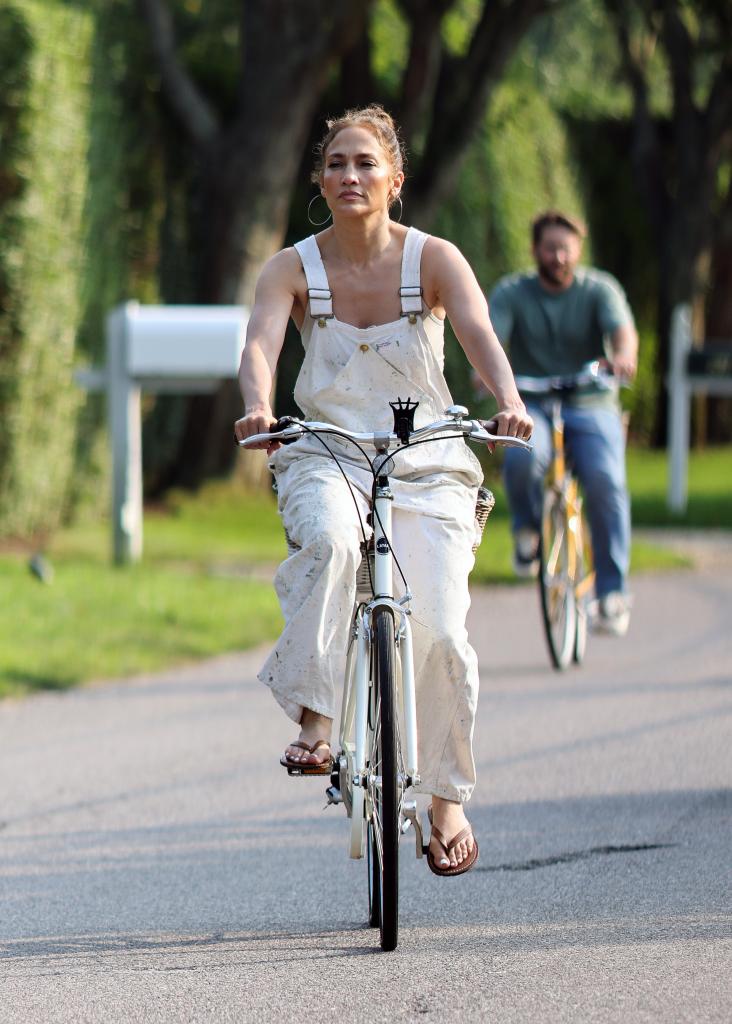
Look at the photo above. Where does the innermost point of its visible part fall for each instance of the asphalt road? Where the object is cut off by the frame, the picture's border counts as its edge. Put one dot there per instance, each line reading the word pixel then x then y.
pixel 156 864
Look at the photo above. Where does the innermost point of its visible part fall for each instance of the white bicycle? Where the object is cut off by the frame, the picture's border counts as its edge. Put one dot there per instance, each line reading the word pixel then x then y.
pixel 376 764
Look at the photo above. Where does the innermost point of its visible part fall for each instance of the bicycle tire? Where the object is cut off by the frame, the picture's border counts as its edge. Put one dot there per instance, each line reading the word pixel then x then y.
pixel 374 878
pixel 384 767
pixel 582 602
pixel 558 605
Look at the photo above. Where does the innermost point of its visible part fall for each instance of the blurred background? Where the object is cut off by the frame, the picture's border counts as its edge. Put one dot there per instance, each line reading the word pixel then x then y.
pixel 160 150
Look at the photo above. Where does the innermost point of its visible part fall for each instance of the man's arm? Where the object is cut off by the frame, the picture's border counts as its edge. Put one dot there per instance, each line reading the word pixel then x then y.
pixel 616 320
pixel 624 345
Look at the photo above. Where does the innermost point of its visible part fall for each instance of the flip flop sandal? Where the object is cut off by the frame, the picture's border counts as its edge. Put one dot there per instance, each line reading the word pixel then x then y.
pixel 305 767
pixel 465 865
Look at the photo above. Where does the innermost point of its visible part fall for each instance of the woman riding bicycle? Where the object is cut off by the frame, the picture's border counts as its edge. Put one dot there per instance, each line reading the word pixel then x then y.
pixel 369 297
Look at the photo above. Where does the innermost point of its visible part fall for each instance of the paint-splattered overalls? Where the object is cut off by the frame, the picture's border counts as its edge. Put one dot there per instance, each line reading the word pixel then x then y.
pixel 348 377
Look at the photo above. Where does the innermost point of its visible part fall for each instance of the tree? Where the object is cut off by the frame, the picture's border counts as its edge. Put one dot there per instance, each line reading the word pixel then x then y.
pixel 678 158
pixel 248 159
pixel 444 95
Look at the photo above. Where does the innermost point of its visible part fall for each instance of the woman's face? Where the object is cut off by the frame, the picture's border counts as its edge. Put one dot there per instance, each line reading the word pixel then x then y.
pixel 357 176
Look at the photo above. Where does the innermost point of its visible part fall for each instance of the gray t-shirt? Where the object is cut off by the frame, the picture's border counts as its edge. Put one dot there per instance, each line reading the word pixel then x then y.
pixel 549 333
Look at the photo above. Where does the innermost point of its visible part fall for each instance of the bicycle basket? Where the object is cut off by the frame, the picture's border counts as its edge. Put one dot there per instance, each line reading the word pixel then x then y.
pixel 483 508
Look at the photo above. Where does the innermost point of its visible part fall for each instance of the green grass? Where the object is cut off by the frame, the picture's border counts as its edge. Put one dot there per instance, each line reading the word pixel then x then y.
pixel 202 588
pixel 189 598
pixel 494 556
pixel 710 489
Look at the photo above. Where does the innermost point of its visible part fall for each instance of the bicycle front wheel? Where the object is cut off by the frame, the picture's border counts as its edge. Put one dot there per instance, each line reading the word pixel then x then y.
pixel 584 585
pixel 556 583
pixel 384 785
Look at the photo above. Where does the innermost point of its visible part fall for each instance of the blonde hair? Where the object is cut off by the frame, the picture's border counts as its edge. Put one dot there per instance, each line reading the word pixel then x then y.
pixel 376 120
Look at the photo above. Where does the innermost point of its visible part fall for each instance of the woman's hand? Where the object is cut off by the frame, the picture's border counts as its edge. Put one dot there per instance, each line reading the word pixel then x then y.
pixel 514 421
pixel 258 420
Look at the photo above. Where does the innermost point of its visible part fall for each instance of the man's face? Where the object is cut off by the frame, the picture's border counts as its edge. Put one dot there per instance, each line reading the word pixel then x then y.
pixel 557 255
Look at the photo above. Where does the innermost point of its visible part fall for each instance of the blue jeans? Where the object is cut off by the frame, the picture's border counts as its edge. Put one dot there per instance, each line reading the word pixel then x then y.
pixel 595 443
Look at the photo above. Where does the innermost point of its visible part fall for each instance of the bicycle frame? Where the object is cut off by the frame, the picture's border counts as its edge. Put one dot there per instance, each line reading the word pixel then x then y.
pixel 353 777
pixel 353 733
pixel 560 479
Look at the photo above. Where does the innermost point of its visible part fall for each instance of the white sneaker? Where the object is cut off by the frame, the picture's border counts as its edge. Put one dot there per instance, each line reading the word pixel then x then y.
pixel 526 553
pixel 613 614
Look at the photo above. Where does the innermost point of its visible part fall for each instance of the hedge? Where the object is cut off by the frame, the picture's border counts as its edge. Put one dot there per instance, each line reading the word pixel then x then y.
pixel 44 52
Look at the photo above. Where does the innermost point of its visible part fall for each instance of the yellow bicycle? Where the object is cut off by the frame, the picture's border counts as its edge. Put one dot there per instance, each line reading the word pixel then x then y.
pixel 566 574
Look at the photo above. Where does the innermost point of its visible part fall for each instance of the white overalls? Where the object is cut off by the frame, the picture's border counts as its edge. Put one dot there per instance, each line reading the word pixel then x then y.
pixel 348 377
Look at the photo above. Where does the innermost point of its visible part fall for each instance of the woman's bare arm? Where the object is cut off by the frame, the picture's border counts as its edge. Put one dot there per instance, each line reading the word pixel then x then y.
pixel 449 274
pixel 273 301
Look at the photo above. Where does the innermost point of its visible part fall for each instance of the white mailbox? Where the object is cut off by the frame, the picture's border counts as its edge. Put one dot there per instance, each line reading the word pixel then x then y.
pixel 203 342
pixel 179 349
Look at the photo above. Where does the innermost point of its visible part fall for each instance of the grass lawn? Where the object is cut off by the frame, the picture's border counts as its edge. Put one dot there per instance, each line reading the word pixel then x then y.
pixel 198 592
pixel 710 489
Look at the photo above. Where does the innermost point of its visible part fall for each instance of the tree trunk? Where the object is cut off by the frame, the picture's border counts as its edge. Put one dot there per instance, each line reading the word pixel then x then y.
pixel 678 178
pixel 247 171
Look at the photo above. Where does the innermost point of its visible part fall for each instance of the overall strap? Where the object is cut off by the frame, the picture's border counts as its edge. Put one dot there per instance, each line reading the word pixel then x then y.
pixel 410 291
pixel 319 293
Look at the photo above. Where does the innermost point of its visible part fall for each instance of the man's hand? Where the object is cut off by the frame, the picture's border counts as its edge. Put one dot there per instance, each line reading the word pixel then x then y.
pixel 258 420
pixel 625 365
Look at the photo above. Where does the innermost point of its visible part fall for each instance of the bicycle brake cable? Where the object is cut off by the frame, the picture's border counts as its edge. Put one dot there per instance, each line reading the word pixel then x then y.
pixel 350 489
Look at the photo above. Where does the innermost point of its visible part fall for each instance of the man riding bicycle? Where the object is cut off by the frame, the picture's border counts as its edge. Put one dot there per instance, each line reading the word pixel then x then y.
pixel 553 321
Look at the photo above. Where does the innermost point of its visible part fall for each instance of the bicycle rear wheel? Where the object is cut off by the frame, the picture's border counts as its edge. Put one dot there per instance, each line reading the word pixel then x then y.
pixel 558 606
pixel 384 785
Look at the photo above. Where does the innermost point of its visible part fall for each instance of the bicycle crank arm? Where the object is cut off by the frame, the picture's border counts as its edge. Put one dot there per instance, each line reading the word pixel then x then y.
pixel 409 809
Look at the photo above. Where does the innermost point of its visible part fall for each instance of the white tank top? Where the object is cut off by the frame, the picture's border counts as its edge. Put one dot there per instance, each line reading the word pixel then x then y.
pixel 350 374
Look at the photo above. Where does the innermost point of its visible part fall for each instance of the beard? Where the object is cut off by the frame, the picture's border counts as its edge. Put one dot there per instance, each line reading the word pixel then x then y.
pixel 557 277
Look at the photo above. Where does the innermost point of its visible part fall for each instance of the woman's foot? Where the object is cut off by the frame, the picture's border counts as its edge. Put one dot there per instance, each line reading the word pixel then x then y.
pixel 315 732
pixel 448 820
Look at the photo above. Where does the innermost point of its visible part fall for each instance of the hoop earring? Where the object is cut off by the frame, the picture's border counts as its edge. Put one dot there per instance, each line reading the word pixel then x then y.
pixel 317 223
pixel 401 209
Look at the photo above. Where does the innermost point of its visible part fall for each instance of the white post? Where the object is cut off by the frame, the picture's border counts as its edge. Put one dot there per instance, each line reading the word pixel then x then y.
pixel 679 409
pixel 125 422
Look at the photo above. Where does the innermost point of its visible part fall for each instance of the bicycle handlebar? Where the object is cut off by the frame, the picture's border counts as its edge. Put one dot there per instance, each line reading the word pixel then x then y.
pixel 456 426
pixel 591 373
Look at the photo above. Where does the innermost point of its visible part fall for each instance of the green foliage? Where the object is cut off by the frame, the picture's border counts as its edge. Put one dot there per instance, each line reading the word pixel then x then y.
pixel 122 219
pixel 519 164
pixel 44 52
pixel 80 218
pixel 390 45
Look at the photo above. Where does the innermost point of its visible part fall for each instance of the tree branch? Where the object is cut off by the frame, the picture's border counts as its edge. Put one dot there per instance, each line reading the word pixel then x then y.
pixel 190 106
pixel 423 64
pixel 719 106
pixel 461 96
pixel 680 50
pixel 646 150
